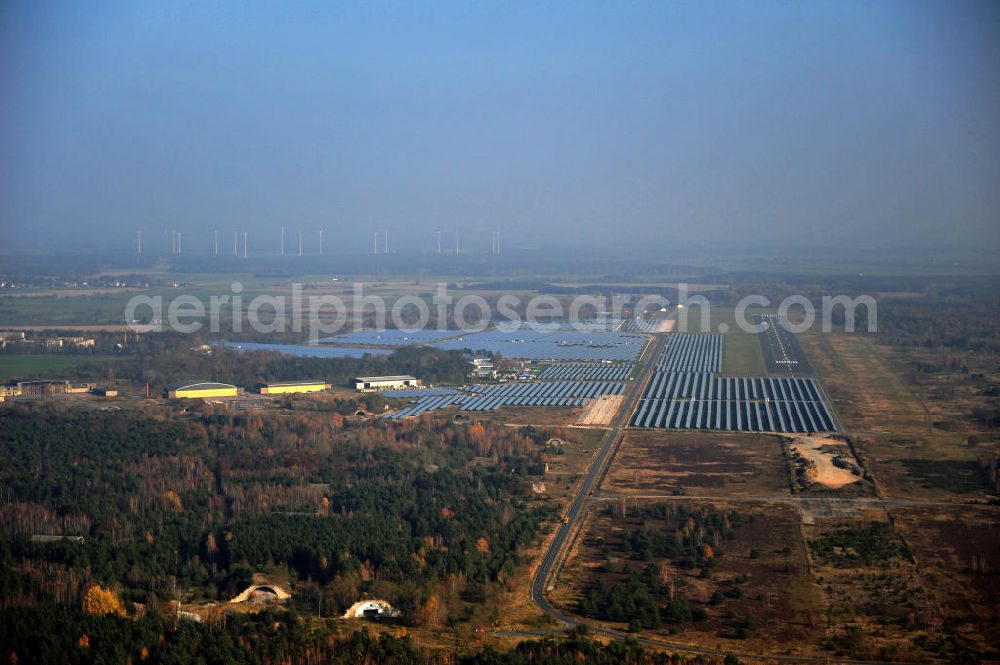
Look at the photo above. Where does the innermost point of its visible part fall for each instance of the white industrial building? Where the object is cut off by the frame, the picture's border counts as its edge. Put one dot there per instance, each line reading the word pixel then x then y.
pixel 368 384
pixel 482 368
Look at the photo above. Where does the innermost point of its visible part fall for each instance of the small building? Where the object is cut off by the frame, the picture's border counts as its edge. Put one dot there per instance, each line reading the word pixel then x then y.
pixel 200 389
pixel 11 337
pixel 79 342
pixel 9 390
pixel 288 387
pixel 371 609
pixel 369 384
pixel 104 392
pixel 483 368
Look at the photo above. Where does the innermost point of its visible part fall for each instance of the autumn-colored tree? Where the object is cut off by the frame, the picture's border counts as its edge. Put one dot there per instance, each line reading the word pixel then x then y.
pixel 173 501
pixel 211 546
pixel 427 613
pixel 100 601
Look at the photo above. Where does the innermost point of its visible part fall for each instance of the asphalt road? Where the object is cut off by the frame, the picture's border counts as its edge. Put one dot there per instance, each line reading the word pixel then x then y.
pixel 576 512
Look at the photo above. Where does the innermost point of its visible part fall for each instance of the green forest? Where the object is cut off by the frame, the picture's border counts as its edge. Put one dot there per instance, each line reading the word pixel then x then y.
pixel 190 508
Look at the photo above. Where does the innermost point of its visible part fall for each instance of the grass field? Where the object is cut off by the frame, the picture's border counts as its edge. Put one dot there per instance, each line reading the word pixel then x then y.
pixel 741 355
pixel 890 423
pixel 14 367
pixel 699 463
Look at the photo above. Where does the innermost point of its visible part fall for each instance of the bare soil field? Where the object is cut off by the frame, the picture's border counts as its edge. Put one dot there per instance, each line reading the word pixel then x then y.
pixel 541 416
pixel 698 463
pixel 958 553
pixel 601 411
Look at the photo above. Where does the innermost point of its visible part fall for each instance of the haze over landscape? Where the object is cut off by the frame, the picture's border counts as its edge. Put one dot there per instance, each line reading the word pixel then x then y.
pixel 500 333
pixel 676 124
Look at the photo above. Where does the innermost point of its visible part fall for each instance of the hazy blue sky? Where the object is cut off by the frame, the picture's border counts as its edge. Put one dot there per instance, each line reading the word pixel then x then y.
pixel 656 124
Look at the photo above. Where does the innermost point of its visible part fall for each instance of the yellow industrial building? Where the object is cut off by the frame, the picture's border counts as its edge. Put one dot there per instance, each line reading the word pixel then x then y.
pixel 288 387
pixel 200 389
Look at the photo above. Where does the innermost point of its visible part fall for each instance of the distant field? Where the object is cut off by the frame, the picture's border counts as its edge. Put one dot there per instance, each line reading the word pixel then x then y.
pixel 12 367
pixel 742 355
pixel 103 309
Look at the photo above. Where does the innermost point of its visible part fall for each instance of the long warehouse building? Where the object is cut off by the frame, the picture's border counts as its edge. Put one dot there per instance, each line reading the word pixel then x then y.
pixel 200 389
pixel 289 387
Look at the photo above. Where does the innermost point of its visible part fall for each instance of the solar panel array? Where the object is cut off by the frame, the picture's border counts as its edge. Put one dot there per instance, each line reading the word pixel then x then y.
pixel 608 325
pixel 558 345
pixel 310 350
pixel 489 397
pixel 588 371
pixel 691 352
pixel 686 393
pixel 418 392
pixel 390 337
pixel 688 400
pixel 641 325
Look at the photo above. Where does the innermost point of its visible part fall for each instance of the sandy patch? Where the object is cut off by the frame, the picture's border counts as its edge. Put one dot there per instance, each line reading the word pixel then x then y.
pixel 601 410
pixel 819 453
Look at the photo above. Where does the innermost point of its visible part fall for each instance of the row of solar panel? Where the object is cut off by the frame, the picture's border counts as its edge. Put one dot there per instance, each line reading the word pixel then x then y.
pixel 587 371
pixel 486 398
pixel 559 345
pixel 691 352
pixel 551 389
pixel 468 403
pixel 734 415
pixel 641 325
pixel 701 385
pixel 701 400
pixel 418 392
